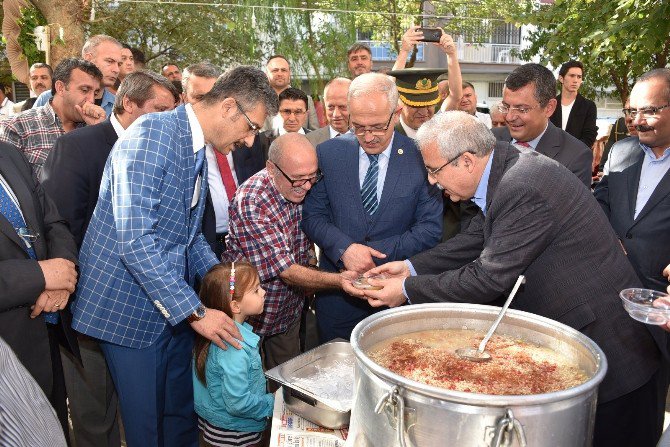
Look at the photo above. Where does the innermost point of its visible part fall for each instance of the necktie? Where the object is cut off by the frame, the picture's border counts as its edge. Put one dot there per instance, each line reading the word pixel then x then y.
pixel 369 189
pixel 11 212
pixel 522 144
pixel 226 174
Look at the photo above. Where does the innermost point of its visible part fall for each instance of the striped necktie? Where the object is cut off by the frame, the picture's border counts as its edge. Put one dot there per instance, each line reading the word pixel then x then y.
pixel 369 189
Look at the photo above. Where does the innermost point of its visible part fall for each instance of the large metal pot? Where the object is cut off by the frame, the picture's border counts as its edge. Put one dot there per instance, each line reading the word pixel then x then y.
pixel 390 410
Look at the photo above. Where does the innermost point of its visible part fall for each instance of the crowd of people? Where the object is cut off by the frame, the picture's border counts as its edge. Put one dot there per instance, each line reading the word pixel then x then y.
pixel 165 238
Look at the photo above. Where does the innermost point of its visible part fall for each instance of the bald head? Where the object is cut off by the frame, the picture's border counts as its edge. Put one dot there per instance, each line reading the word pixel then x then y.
pixel 293 166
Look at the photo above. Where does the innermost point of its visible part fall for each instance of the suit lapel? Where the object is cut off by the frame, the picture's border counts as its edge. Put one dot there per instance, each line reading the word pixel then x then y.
pixel 24 197
pixel 550 143
pixel 633 181
pixel 662 190
pixel 497 169
pixel 350 162
pixel 393 173
pixel 110 133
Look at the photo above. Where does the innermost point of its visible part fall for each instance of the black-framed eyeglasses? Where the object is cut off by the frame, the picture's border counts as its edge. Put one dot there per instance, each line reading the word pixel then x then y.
pixel 649 112
pixel 433 172
pixel 361 130
pixel 254 129
pixel 301 182
pixel 27 235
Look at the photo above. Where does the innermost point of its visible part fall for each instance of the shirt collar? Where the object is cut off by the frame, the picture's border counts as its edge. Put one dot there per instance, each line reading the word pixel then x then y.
pixel 282 131
pixel 650 154
pixel 386 153
pixel 118 128
pixel 107 98
pixel 533 143
pixel 196 130
pixel 248 335
pixel 483 186
pixel 408 130
pixel 333 132
pixel 4 101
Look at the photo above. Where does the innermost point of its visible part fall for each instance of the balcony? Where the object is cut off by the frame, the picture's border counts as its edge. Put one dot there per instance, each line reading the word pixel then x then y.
pixel 488 53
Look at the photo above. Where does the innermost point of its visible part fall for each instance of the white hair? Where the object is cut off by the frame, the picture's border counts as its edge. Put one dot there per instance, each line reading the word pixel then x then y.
pixel 370 83
pixel 456 133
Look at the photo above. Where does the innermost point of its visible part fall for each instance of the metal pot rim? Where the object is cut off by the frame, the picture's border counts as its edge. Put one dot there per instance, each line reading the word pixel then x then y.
pixel 474 398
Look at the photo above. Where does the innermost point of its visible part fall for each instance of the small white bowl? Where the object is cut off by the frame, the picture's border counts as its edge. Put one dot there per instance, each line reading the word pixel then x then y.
pixel 646 306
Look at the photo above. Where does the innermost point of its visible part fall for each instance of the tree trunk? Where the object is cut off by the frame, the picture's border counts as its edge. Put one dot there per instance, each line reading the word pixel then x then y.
pixel 70 15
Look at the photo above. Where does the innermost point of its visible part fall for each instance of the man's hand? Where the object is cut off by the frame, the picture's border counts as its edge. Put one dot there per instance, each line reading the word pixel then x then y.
pixel 345 282
pixel 390 295
pixel 447 44
pixel 50 301
pixel 358 258
pixel 91 113
pixel 666 273
pixel 59 274
pixel 391 269
pixel 410 38
pixel 217 326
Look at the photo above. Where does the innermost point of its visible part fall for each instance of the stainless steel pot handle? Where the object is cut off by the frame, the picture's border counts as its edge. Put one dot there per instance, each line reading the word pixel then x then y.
pixel 509 423
pixel 394 406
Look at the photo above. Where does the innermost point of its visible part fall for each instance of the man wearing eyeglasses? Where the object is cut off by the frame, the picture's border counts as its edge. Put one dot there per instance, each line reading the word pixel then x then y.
pixel 536 219
pixel 144 248
pixel 374 204
pixel 635 190
pixel 528 102
pixel 265 229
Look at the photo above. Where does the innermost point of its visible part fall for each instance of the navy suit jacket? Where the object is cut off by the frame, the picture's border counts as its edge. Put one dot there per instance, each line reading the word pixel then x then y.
pixel 582 120
pixel 409 217
pixel 144 238
pixel 562 147
pixel 73 170
pixel 646 237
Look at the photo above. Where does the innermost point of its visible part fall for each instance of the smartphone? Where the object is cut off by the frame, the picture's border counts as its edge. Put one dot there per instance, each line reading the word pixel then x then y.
pixel 431 34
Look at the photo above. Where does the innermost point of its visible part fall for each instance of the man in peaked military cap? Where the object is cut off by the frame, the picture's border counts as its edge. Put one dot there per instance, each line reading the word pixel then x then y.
pixel 418 94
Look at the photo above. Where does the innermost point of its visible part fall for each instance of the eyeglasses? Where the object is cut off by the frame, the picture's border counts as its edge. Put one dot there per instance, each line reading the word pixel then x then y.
pixel 649 112
pixel 301 182
pixel 433 172
pixel 520 110
pixel 376 131
pixel 254 129
pixel 288 112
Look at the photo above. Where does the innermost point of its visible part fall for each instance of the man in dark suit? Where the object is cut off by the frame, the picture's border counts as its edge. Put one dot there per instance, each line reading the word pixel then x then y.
pixel 71 176
pixel 635 191
pixel 536 219
pixel 374 203
pixel 37 276
pixel 225 172
pixel 337 113
pixel 575 114
pixel 528 102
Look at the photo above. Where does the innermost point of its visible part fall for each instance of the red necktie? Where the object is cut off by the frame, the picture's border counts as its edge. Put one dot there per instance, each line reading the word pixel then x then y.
pixel 226 174
pixel 523 143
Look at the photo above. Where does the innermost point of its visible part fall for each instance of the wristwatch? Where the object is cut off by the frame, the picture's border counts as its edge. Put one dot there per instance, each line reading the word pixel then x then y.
pixel 198 314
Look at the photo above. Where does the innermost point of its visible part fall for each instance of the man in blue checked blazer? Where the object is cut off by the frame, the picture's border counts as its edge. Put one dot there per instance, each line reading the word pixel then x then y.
pixel 144 248
pixel 374 203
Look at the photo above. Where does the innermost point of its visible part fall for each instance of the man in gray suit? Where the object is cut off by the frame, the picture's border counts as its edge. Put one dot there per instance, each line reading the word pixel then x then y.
pixel 528 102
pixel 337 112
pixel 536 219
pixel 635 191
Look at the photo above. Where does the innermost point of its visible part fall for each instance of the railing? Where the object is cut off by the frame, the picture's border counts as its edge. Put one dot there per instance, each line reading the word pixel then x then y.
pixel 383 51
pixel 489 53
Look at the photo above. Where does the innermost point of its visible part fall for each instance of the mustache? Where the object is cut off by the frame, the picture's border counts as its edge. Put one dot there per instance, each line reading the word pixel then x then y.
pixel 643 128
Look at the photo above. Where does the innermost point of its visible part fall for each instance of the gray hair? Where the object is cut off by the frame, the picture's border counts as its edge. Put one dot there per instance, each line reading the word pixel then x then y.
pixel 248 85
pixel 201 70
pixel 93 42
pixel 336 81
pixel 137 87
pixel 662 74
pixel 288 140
pixel 38 65
pixel 370 83
pixel 456 133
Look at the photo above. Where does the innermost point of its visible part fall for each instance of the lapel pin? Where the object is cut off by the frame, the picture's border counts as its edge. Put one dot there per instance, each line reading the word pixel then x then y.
pixel 400 152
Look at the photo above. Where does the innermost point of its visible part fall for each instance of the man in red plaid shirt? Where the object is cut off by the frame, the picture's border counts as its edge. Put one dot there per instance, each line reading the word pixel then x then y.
pixel 264 228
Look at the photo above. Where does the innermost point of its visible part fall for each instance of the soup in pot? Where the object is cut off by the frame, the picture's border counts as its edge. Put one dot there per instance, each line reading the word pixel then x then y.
pixel 517 367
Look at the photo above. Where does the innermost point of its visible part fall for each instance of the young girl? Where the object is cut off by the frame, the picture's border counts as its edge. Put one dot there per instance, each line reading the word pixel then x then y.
pixel 229 387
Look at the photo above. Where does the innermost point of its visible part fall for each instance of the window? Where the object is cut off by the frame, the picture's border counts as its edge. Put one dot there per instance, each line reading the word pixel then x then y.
pixel 496 89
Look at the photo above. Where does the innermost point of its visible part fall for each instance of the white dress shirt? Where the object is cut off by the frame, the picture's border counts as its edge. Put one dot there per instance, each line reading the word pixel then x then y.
pixel 217 189
pixel 198 143
pixel 364 164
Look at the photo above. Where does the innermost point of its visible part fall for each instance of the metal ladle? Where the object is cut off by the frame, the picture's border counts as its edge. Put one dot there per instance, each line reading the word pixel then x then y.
pixel 480 355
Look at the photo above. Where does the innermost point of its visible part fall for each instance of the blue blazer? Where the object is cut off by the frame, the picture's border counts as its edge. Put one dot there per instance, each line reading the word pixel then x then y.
pixel 143 235
pixel 409 217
